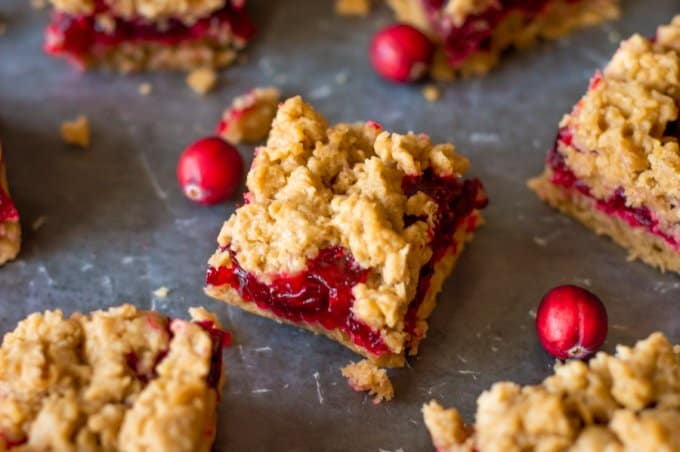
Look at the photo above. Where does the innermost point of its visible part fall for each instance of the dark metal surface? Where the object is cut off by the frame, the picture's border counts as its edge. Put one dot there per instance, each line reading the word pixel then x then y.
pixel 117 227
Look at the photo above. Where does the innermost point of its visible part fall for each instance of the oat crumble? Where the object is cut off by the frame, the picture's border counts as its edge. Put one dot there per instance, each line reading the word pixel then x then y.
pixel 202 80
pixel 76 132
pixel 366 376
pixel 352 7
pixel 250 116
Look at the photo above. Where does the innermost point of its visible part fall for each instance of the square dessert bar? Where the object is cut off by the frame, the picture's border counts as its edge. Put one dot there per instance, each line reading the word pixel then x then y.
pixel 114 380
pixel 615 165
pixel 473 34
pixel 10 230
pixel 148 34
pixel 348 231
pixel 626 402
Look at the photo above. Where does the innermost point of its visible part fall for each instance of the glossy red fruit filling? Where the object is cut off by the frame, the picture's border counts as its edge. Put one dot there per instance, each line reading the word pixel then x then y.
pixel 475 34
pixel 322 294
pixel 571 322
pixel 401 53
pixel 8 211
pixel 615 205
pixel 78 37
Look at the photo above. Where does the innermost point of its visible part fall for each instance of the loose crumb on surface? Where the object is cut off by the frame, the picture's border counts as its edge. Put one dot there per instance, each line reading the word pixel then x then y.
pixel 202 80
pixel 341 78
pixel 38 222
pixel 38 4
pixel 431 93
pixel 161 292
pixel 366 376
pixel 3 27
pixel 76 132
pixel 145 89
pixel 352 7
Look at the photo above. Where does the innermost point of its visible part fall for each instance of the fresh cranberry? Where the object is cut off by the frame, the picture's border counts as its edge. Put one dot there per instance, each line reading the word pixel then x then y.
pixel 401 53
pixel 571 322
pixel 210 170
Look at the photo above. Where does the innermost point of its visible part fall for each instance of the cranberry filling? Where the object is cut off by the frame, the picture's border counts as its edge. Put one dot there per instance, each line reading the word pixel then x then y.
pixel 476 33
pixel 78 36
pixel 615 205
pixel 322 294
pixel 9 443
pixel 8 211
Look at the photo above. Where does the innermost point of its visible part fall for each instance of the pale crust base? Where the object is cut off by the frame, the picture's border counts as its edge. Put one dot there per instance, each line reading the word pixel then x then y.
pixel 441 271
pixel 559 19
pixel 642 245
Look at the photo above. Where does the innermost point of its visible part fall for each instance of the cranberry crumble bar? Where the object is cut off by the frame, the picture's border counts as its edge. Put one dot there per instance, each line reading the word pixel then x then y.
pixel 148 34
pixel 120 379
pixel 348 231
pixel 472 34
pixel 250 116
pixel 615 165
pixel 10 231
pixel 626 402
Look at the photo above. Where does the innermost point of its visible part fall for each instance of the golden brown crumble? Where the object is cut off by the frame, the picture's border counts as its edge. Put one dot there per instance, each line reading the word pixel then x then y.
pixel 366 376
pixel 145 89
pixel 202 80
pixel 250 116
pixel 76 132
pixel 305 187
pixel 187 11
pixel 431 93
pixel 69 384
pixel 626 402
pixel 620 127
pixel 161 292
pixel 352 7
pixel 10 230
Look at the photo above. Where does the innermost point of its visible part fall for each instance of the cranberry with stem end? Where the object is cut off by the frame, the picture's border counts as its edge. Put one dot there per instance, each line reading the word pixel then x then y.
pixel 210 170
pixel 571 322
pixel 401 53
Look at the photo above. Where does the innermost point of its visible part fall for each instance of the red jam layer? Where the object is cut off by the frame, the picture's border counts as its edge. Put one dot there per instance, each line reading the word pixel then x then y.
pixel 78 36
pixel 322 294
pixel 8 211
pixel 476 33
pixel 615 205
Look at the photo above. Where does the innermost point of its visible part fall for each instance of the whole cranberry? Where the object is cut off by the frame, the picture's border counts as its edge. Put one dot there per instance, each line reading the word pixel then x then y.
pixel 401 53
pixel 571 322
pixel 210 170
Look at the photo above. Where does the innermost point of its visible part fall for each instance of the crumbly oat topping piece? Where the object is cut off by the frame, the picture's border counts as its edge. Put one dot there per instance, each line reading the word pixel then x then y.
pixel 202 80
pixel 120 379
pixel 626 402
pixel 250 116
pixel 459 10
pixel 187 11
pixel 352 7
pixel 623 127
pixel 305 188
pixel 366 376
pixel 76 132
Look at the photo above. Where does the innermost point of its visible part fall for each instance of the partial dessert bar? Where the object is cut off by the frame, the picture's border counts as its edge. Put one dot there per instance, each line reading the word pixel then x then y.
pixel 148 34
pixel 250 116
pixel 347 231
pixel 626 402
pixel 615 165
pixel 114 380
pixel 473 34
pixel 10 230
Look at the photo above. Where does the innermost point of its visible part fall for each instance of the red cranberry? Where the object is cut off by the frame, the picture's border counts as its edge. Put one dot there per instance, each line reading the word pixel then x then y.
pixel 571 322
pixel 401 53
pixel 210 170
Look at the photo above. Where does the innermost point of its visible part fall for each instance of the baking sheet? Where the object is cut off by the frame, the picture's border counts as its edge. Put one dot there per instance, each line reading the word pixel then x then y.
pixel 117 227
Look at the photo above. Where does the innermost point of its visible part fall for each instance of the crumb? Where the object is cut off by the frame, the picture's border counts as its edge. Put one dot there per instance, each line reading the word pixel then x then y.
pixel 76 132
pixel 200 314
pixel 250 116
pixel 341 78
pixel 161 292
pixel 38 4
pixel 352 7
pixel 431 93
pixel 145 89
pixel 106 23
pixel 540 241
pixel 202 80
pixel 366 376
pixel 38 222
pixel 614 37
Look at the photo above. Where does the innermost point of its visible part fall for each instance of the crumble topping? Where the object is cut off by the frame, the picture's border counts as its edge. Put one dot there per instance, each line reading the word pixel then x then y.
pixel 120 379
pixel 145 89
pixel 625 133
pixel 305 189
pixel 76 132
pixel 352 7
pixel 250 116
pixel 202 80
pixel 459 10
pixel 366 376
pixel 630 401
pixel 188 11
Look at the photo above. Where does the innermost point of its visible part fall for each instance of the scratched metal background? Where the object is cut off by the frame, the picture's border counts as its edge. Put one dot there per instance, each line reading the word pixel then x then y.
pixel 117 227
